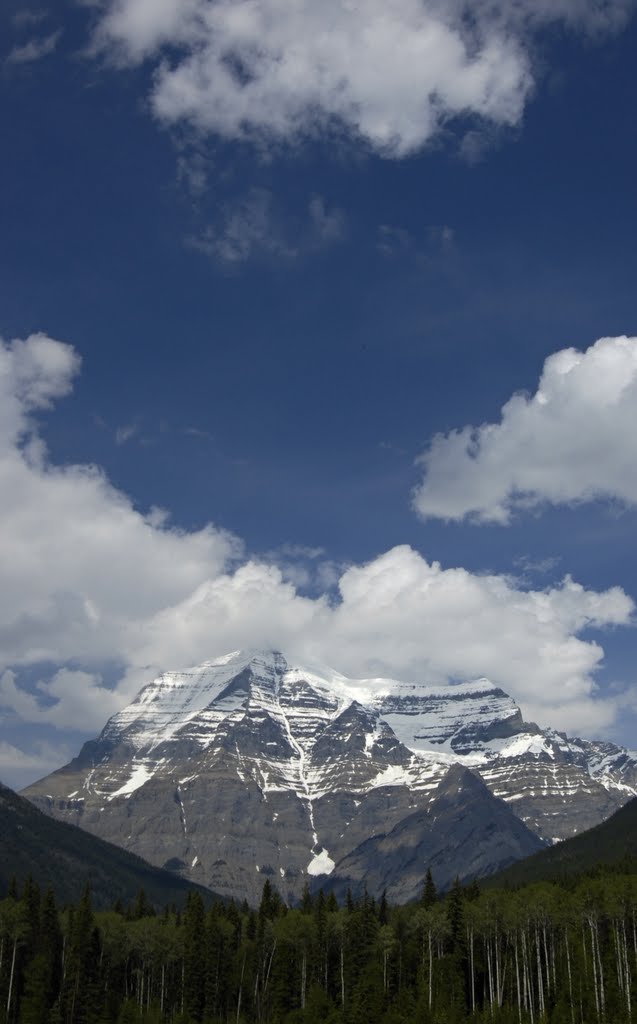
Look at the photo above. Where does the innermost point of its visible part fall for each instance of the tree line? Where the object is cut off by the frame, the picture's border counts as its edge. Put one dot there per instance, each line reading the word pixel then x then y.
pixel 543 953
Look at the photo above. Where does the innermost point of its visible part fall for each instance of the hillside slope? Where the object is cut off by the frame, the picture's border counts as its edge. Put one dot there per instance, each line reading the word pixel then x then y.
pixel 66 858
pixel 613 843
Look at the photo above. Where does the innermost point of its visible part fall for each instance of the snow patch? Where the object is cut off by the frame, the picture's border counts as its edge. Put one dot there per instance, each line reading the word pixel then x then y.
pixel 321 864
pixel 393 775
pixel 527 743
pixel 139 778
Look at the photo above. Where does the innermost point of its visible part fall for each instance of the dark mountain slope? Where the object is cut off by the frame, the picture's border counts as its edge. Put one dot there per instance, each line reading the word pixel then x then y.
pixel 466 832
pixel 613 843
pixel 66 858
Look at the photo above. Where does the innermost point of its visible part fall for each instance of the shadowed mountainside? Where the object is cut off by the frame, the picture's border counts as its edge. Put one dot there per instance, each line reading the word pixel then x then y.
pixel 66 858
pixel 612 844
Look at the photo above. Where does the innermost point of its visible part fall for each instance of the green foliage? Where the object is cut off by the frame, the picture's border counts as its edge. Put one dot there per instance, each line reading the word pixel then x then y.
pixel 429 893
pixel 609 847
pixel 544 954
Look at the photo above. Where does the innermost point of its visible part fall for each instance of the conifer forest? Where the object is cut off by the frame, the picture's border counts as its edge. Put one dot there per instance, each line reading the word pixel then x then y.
pixel 565 954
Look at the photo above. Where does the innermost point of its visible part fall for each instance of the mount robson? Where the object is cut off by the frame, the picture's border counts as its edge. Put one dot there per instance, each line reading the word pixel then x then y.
pixel 251 766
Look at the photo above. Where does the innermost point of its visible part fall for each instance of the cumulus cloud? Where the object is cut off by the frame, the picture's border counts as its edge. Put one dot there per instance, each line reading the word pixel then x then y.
pixel 401 616
pixel 79 562
pixel 572 441
pixel 392 72
pixel 73 700
pixel 87 582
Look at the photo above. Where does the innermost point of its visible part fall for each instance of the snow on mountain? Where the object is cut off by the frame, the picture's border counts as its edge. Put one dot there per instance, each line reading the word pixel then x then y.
pixel 250 765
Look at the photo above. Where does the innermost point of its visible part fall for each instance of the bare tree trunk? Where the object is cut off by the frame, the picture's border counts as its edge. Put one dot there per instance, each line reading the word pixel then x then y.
pixel 527 976
pixel 517 979
pixel 540 977
pixel 570 976
pixel 243 967
pixel 490 974
pixel 472 969
pixel 15 946
pixel 597 1001
pixel 627 976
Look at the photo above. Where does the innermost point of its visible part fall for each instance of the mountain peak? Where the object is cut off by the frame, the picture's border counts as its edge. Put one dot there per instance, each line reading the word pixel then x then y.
pixel 254 764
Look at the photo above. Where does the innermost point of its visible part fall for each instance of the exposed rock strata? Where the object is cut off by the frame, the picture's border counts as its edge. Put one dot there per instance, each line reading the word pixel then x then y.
pixel 248 767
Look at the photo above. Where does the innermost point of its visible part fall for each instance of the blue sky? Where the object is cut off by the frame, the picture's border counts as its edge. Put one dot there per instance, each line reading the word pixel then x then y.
pixel 288 246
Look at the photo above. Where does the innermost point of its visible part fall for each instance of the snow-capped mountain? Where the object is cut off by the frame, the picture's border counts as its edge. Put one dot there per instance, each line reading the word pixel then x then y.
pixel 249 766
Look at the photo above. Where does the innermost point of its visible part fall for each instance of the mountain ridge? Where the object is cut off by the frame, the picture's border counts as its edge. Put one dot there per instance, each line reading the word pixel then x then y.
pixel 249 765
pixel 60 855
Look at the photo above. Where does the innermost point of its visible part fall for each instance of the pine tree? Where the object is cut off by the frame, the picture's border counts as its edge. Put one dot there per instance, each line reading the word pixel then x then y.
pixel 268 905
pixel 194 976
pixel 142 907
pixel 80 1002
pixel 43 975
pixel 429 893
pixel 306 900
pixel 383 909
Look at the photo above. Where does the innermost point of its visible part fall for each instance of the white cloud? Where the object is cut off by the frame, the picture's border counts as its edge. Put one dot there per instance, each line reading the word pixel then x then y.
pixel 401 616
pixel 574 440
pixel 79 562
pixel 392 72
pixel 87 581
pixel 74 700
pixel 34 50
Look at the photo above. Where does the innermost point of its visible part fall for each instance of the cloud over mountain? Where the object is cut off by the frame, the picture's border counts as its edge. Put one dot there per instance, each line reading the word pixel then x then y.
pixel 87 581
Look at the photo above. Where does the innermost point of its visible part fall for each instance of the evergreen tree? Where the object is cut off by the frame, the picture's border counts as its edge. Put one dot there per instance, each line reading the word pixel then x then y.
pixel 383 909
pixel 429 894
pixel 80 1002
pixel 306 900
pixel 142 907
pixel 268 907
pixel 44 972
pixel 194 963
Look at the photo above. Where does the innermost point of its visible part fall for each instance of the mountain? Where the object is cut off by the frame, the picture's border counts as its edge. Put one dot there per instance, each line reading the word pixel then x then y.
pixel 465 833
pixel 66 858
pixel 249 767
pixel 611 844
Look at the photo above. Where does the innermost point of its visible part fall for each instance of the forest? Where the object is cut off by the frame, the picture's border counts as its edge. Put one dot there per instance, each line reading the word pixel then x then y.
pixel 546 952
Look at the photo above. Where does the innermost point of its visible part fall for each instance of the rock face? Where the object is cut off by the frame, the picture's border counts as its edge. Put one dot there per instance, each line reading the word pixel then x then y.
pixel 466 832
pixel 248 767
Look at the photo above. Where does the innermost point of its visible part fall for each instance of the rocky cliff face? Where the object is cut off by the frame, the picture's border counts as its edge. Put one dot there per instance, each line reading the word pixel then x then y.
pixel 464 833
pixel 248 767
